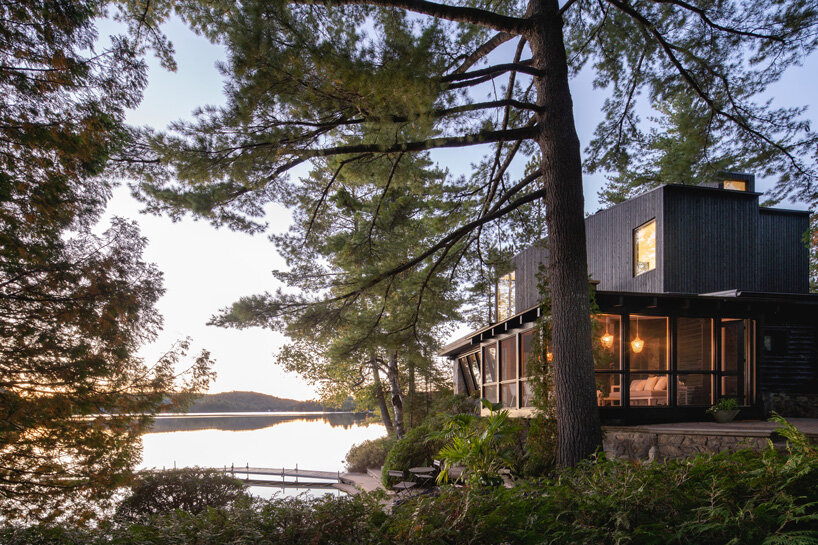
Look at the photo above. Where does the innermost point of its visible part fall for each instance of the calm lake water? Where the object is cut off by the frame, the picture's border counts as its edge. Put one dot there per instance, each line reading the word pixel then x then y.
pixel 310 440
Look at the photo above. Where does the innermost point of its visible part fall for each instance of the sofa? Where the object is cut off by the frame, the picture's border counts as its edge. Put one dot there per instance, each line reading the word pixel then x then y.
pixel 647 391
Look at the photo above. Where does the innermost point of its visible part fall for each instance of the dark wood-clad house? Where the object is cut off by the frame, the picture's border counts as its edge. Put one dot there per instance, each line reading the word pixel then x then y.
pixel 703 294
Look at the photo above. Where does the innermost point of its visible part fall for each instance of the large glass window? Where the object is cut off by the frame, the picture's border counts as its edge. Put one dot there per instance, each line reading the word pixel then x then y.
pixel 712 358
pixel 736 347
pixel 644 248
pixel 694 361
pixel 607 361
pixel 505 296
pixel 506 368
pixel 648 345
pixel 508 371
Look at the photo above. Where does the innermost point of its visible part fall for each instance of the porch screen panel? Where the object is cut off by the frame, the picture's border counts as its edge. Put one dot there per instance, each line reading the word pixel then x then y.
pixel 694 361
pixel 736 358
pixel 648 343
pixel 490 364
pixel 526 394
pixel 694 389
pixel 474 366
pixel 526 348
pixel 490 393
pixel 508 359
pixel 606 331
pixel 508 394
pixel 606 342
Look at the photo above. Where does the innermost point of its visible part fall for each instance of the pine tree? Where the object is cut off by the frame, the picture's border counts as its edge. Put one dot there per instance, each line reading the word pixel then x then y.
pixel 349 79
pixel 376 213
pixel 74 306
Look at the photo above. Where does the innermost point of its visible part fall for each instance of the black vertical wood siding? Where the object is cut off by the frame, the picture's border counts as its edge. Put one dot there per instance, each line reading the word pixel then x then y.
pixel 711 238
pixel 794 369
pixel 782 254
pixel 707 240
pixel 527 265
pixel 609 235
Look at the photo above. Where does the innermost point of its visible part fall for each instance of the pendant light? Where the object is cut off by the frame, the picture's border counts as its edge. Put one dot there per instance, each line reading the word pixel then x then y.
pixel 607 339
pixel 637 344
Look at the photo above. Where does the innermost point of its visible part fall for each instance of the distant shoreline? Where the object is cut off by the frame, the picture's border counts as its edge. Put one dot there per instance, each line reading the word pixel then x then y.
pixel 252 413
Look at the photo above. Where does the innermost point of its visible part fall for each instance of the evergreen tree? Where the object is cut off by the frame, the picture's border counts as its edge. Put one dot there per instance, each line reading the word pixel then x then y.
pixel 309 79
pixel 74 306
pixel 376 213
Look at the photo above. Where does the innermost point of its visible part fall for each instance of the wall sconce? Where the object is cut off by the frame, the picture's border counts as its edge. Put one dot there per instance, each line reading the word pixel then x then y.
pixel 549 356
pixel 637 344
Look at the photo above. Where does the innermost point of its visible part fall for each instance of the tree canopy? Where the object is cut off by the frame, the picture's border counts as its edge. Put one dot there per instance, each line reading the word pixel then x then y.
pixel 75 305
pixel 309 81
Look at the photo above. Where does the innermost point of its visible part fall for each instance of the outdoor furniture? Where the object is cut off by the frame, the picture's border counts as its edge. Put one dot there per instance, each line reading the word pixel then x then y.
pixel 423 475
pixel 650 391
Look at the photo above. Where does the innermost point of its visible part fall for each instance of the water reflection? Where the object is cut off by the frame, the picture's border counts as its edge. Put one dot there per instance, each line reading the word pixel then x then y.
pixel 251 421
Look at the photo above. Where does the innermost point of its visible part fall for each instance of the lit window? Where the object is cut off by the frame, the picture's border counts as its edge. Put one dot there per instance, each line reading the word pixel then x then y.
pixel 644 248
pixel 735 185
pixel 505 296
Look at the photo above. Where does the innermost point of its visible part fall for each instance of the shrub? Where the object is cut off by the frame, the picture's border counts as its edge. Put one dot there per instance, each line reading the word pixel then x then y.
pixel 369 454
pixel 484 446
pixel 189 489
pixel 540 446
pixel 419 447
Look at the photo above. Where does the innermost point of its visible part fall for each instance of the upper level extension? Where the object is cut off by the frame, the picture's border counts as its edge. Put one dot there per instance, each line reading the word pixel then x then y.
pixel 684 239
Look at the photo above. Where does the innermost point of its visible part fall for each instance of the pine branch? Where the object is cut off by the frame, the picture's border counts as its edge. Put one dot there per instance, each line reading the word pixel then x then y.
pixel 473 16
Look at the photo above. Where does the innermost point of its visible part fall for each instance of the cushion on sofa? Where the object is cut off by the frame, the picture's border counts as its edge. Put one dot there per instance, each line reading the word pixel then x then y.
pixel 637 385
pixel 661 384
pixel 650 384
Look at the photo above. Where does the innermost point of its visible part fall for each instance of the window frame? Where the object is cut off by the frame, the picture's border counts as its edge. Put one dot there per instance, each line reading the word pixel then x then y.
pixel 635 242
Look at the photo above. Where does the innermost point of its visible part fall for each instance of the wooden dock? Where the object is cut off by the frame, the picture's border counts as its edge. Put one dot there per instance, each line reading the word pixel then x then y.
pixel 282 477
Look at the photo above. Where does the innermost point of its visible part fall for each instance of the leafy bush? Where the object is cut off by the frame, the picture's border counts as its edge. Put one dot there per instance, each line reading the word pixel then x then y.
pixel 189 489
pixel 484 446
pixel 369 454
pixel 419 447
pixel 540 446
pixel 730 498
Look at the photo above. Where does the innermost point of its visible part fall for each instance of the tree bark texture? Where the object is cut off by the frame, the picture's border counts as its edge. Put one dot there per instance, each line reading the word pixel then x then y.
pixel 379 395
pixel 397 397
pixel 578 425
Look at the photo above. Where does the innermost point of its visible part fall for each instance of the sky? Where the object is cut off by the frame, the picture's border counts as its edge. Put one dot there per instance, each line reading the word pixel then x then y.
pixel 207 269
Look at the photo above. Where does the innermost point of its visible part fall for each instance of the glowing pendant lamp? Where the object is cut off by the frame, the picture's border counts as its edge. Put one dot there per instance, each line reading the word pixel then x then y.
pixel 607 339
pixel 637 344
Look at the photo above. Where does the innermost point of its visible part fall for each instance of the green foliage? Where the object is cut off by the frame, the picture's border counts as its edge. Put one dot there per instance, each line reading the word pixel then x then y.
pixel 189 489
pixel 484 446
pixel 249 402
pixel 369 454
pixel 731 498
pixel 75 305
pixel 540 446
pixel 419 447
pixel 724 404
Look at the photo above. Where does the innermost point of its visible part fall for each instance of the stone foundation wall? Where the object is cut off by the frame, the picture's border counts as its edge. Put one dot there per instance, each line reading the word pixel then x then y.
pixel 645 445
pixel 792 405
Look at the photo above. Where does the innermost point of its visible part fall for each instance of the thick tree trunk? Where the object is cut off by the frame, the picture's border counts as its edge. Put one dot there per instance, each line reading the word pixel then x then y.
pixel 578 425
pixel 397 397
pixel 379 395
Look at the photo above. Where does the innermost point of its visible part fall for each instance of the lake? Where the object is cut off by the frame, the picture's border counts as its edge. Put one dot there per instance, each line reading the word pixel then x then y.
pixel 309 440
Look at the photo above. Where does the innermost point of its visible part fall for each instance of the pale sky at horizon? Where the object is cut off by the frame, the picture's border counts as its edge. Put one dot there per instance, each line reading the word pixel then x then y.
pixel 207 269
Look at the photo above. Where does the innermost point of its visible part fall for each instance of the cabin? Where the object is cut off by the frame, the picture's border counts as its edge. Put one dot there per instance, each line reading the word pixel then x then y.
pixel 702 293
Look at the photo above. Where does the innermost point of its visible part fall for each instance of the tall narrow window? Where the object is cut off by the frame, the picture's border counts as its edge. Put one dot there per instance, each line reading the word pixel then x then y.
pixel 644 248
pixel 505 296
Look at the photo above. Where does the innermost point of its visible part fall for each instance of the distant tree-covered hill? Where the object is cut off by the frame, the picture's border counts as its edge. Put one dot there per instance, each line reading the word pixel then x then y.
pixel 251 402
